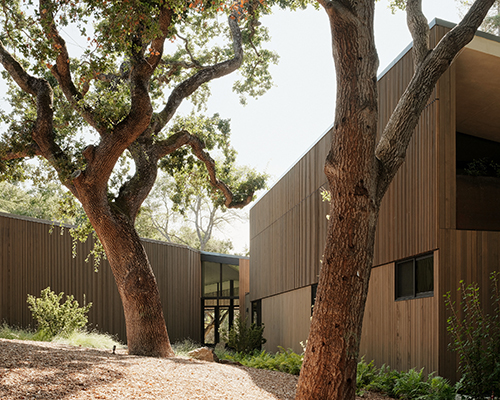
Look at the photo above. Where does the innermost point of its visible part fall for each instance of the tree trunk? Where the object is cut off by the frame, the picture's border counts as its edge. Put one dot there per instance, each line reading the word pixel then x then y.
pixel 146 330
pixel 329 367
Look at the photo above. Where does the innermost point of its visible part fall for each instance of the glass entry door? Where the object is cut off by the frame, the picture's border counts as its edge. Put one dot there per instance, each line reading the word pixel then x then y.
pixel 220 301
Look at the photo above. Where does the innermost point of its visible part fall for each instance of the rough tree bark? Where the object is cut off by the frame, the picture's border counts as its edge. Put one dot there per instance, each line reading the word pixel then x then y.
pixel 113 220
pixel 359 170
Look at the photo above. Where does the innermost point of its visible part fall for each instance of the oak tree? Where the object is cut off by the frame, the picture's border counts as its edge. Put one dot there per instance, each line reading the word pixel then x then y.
pixel 117 97
pixel 359 169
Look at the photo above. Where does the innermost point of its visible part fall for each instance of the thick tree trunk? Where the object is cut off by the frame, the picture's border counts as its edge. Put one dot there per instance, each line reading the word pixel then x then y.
pixel 146 330
pixel 359 174
pixel 329 368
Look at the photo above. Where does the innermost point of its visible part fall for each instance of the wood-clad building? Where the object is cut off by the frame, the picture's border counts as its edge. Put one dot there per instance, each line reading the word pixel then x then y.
pixel 437 226
pixel 32 258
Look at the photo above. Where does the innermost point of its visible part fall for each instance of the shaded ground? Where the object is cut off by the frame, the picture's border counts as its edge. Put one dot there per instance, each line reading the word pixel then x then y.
pixel 41 370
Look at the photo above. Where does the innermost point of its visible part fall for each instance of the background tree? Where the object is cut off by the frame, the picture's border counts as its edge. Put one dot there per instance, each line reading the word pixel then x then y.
pixel 491 23
pixel 359 170
pixel 118 100
pixel 183 208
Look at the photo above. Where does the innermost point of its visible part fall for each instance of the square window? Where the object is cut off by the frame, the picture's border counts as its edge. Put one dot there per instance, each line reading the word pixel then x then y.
pixel 415 277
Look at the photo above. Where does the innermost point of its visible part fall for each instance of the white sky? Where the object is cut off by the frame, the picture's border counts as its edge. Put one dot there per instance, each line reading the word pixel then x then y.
pixel 273 132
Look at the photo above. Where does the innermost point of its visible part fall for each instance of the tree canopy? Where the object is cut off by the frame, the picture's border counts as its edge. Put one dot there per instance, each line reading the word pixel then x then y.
pixel 104 114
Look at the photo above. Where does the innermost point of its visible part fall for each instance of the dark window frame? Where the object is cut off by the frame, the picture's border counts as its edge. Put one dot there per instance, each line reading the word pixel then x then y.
pixel 257 312
pixel 415 294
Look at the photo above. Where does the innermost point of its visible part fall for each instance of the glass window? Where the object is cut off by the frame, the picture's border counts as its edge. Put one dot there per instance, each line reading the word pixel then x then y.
pixel 424 275
pixel 257 312
pixel 415 277
pixel 404 279
pixel 211 279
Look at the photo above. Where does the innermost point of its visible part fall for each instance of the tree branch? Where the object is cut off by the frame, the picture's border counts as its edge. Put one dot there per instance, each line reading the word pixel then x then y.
pixel 207 74
pixel 136 189
pixel 141 110
pixel 392 146
pixel 182 138
pixel 61 70
pixel 42 134
pixel 419 29
pixel 29 151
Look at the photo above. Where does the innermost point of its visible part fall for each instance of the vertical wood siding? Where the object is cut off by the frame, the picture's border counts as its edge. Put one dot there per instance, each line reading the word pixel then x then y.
pixel 286 318
pixel 288 228
pixel 470 256
pixel 31 259
pixel 400 334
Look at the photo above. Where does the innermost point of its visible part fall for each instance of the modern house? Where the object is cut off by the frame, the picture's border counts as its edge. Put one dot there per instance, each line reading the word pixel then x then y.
pixel 199 291
pixel 437 225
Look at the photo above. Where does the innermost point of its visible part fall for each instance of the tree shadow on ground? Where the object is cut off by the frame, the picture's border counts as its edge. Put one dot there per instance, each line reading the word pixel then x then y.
pixel 30 370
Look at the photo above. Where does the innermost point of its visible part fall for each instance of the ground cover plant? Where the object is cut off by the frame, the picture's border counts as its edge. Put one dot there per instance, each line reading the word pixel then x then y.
pixel 87 339
pixel 408 385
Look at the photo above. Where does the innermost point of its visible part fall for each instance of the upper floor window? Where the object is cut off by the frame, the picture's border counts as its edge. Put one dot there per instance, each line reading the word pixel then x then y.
pixel 415 277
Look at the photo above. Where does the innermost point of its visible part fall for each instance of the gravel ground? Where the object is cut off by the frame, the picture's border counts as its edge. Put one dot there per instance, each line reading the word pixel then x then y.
pixel 41 370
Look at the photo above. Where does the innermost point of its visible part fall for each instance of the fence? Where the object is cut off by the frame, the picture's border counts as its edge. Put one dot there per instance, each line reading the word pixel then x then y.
pixel 32 258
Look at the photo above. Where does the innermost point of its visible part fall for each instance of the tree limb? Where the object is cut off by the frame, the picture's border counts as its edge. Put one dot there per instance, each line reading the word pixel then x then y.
pixel 29 151
pixel 141 110
pixel 419 29
pixel 392 146
pixel 61 70
pixel 182 138
pixel 42 134
pixel 207 74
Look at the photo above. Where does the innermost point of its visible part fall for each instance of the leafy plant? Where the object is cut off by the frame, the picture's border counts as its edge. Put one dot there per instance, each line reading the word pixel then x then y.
pixel 56 319
pixel 476 338
pixel 402 385
pixel 284 360
pixel 242 338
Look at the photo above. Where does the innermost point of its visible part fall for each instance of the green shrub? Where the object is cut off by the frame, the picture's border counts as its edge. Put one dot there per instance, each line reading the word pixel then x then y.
pixel 476 338
pixel 242 338
pixel 284 361
pixel 56 319
pixel 402 385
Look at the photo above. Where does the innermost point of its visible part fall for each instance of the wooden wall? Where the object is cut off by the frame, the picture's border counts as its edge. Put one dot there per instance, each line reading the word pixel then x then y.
pixel 470 256
pixel 286 318
pixel 288 228
pixel 31 259
pixel 400 334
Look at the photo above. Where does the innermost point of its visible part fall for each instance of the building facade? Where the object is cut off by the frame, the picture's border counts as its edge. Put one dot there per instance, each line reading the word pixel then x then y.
pixel 437 224
pixel 35 254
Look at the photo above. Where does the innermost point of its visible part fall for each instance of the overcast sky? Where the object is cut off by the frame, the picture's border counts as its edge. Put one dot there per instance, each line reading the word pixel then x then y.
pixel 273 132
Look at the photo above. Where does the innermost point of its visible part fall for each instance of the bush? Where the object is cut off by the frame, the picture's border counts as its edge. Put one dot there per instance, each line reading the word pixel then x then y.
pixel 243 339
pixel 402 385
pixel 56 319
pixel 284 361
pixel 476 338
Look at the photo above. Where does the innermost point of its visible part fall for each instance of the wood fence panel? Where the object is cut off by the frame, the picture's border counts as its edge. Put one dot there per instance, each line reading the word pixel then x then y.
pixel 32 258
